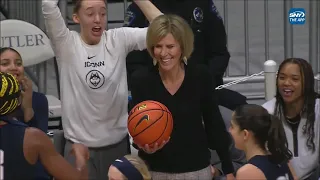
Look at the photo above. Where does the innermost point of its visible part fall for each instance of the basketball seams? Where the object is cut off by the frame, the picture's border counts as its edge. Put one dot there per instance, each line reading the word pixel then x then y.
pixel 130 118
pixel 150 124
pixel 139 104
pixel 164 131
pixel 159 104
pixel 154 102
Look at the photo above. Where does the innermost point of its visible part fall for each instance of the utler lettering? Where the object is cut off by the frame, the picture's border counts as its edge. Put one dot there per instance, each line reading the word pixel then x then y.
pixel 22 41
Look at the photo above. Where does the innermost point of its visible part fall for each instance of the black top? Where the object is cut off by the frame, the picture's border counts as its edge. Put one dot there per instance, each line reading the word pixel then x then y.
pixel 270 170
pixel 294 127
pixel 16 167
pixel 210 46
pixel 191 106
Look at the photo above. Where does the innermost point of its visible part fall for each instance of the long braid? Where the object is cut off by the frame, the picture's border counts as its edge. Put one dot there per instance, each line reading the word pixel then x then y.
pixel 309 96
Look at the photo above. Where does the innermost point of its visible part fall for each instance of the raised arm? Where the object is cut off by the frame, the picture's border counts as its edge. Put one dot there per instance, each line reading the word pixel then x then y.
pixel 217 53
pixel 135 38
pixel 55 25
pixel 148 9
pixel 136 59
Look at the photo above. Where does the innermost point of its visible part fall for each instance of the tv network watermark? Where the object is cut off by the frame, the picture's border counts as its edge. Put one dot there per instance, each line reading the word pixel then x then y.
pixel 297 16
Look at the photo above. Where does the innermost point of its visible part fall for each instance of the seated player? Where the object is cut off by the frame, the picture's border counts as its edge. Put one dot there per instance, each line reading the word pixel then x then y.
pixel 34 107
pixel 262 137
pixel 23 146
pixel 129 167
pixel 297 105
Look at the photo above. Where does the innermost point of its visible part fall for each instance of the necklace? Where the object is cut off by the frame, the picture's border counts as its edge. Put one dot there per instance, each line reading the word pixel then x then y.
pixel 290 122
pixel 293 122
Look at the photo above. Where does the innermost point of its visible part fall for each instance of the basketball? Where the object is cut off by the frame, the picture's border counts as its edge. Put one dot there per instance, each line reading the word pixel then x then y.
pixel 150 122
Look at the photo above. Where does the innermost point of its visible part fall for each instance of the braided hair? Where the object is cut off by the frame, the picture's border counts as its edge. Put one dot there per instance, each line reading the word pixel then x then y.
pixel 9 94
pixel 309 94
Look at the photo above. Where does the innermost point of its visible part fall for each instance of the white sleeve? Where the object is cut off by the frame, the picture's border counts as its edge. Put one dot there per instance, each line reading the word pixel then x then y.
pixel 56 28
pixel 317 113
pixel 270 105
pixel 317 107
pixel 317 120
pixel 134 38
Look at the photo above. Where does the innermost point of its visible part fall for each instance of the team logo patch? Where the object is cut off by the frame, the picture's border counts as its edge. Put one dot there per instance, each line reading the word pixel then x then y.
pixel 198 14
pixel 95 79
pixel 129 17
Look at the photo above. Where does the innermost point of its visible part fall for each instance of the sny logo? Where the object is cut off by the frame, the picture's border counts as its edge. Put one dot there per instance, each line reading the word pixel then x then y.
pixel 297 16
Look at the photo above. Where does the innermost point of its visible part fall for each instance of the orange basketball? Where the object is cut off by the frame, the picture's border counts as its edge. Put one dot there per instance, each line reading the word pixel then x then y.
pixel 150 122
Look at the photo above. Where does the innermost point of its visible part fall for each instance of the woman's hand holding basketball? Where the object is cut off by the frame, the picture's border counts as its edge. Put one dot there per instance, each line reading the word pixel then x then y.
pixel 150 150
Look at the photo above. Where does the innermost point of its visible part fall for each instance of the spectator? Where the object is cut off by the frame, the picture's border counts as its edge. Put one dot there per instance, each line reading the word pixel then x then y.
pixel 297 105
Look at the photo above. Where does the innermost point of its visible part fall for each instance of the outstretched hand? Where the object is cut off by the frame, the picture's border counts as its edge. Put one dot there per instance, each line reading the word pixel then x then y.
pixel 81 153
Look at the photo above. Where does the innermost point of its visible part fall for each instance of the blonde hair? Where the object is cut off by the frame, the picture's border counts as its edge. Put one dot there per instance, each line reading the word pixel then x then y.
pixel 140 165
pixel 171 24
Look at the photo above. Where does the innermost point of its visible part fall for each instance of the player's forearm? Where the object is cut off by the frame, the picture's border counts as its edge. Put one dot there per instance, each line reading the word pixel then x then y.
pixel 54 22
pixel 148 9
pixel 28 114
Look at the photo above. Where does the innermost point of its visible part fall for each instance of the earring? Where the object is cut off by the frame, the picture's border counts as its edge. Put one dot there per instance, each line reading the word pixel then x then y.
pixel 266 146
pixel 185 60
pixel 154 62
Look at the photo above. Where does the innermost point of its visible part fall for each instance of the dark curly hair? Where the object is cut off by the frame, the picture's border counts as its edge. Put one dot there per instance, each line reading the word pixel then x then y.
pixel 309 95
